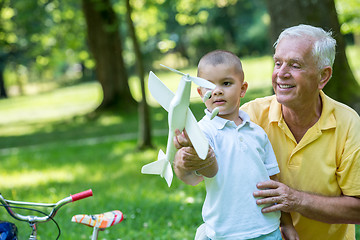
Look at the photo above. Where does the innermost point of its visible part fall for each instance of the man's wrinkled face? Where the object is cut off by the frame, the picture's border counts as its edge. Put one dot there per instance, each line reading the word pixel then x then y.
pixel 295 77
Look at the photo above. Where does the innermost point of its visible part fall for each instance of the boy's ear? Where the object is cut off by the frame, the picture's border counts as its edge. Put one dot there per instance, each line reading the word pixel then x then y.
pixel 243 89
pixel 200 92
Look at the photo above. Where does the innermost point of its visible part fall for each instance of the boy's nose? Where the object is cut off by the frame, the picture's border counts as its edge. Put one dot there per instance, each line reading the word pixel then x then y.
pixel 217 91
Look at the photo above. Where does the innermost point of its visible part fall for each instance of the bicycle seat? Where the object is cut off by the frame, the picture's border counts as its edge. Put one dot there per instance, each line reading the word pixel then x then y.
pixel 101 221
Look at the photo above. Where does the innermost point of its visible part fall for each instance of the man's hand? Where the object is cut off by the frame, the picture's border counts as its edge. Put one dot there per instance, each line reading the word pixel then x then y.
pixel 280 196
pixel 334 210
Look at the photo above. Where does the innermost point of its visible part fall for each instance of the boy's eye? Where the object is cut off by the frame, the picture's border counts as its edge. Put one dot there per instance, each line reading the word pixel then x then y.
pixel 227 83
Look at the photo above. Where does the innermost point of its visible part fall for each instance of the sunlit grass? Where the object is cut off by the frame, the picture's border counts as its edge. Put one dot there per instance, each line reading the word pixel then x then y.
pixel 41 177
pixel 56 105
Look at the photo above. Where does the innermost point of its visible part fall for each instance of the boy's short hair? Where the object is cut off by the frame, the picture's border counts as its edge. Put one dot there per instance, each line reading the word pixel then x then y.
pixel 220 57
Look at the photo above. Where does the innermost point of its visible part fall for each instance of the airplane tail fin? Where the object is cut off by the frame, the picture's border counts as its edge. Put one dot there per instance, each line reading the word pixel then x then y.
pixel 160 167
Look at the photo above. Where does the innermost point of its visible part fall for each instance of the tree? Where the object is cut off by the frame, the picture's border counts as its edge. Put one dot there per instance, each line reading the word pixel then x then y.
pixel 349 18
pixel 3 93
pixel 144 139
pixel 43 39
pixel 105 44
pixel 343 86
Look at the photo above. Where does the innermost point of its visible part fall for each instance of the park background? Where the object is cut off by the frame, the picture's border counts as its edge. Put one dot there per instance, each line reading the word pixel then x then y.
pixel 73 114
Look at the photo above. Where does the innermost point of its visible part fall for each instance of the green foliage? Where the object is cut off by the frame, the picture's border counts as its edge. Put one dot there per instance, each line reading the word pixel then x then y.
pixel 348 12
pixel 46 38
pixel 353 53
pixel 238 25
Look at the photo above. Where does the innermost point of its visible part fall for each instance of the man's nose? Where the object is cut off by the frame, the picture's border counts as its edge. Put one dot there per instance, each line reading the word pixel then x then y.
pixel 283 71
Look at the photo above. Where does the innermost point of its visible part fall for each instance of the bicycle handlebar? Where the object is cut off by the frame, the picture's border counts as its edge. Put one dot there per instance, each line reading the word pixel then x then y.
pixel 55 206
pixel 81 195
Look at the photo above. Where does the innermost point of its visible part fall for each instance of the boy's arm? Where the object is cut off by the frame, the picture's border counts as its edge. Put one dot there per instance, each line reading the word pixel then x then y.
pixel 288 231
pixel 188 167
pixel 287 228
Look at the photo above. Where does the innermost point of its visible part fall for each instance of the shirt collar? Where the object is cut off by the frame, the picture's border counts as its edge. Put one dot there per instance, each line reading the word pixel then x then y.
pixel 275 113
pixel 327 119
pixel 220 123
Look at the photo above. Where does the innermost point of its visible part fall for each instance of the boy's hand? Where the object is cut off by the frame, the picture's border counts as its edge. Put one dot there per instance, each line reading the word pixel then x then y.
pixel 186 158
pixel 187 161
pixel 289 233
pixel 181 139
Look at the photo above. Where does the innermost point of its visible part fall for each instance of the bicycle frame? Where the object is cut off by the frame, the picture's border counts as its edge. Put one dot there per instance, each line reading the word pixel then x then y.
pixel 33 220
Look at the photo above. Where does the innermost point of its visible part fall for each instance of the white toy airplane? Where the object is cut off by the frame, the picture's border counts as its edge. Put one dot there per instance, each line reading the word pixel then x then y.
pixel 179 117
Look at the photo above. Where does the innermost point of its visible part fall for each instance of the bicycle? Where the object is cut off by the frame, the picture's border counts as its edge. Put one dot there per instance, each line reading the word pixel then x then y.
pixel 33 220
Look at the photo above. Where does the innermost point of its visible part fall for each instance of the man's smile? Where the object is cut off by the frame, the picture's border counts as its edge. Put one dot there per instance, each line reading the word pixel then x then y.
pixel 285 86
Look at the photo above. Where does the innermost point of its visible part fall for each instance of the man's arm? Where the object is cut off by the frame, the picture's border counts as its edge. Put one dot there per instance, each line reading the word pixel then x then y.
pixel 188 167
pixel 342 209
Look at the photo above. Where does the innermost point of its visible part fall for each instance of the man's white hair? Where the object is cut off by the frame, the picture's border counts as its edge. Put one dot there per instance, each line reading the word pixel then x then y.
pixel 323 47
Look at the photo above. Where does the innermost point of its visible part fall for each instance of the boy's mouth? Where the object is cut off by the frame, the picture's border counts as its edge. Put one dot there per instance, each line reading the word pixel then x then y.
pixel 219 101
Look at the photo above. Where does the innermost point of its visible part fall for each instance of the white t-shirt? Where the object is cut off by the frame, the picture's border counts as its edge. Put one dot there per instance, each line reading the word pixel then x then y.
pixel 245 157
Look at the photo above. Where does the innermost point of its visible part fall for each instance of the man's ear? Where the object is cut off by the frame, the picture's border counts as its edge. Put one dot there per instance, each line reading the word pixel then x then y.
pixel 200 92
pixel 243 89
pixel 325 76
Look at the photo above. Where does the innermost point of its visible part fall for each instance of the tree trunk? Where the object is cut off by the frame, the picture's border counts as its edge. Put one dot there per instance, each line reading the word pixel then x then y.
pixel 319 13
pixel 106 46
pixel 144 139
pixel 3 93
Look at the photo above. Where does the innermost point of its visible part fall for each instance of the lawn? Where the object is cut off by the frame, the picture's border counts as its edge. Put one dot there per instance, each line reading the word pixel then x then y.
pixel 50 149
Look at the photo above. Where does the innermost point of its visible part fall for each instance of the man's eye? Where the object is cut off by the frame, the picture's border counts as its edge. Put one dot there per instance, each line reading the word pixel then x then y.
pixel 297 66
pixel 277 64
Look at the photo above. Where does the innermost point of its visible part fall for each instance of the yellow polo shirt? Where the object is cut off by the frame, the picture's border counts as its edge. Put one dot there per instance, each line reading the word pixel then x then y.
pixel 326 161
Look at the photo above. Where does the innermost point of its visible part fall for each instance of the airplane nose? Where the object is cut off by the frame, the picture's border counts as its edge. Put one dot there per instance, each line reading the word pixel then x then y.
pixel 207 95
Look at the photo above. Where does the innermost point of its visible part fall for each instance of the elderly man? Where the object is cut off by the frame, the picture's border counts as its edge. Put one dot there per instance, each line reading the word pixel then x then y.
pixel 315 138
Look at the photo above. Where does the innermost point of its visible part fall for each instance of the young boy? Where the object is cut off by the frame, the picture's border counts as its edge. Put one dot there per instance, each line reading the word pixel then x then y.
pixel 243 157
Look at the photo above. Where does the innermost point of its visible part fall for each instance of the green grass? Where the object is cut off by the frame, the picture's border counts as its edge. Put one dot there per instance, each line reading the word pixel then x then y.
pixel 49 149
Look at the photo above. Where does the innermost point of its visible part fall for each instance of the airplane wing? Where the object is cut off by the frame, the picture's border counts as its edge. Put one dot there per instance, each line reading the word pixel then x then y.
pixel 159 91
pixel 196 136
